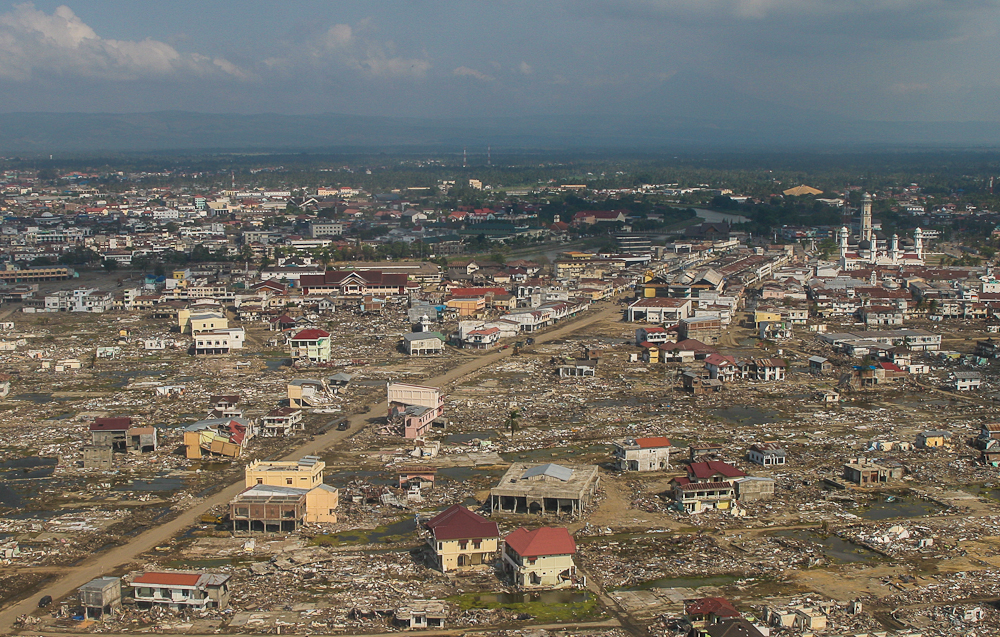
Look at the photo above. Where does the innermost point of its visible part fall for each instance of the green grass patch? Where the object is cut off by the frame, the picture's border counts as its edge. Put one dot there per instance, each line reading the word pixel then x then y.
pixel 541 611
pixel 386 534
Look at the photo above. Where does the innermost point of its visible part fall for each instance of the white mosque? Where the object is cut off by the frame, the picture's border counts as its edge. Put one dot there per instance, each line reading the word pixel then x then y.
pixel 869 250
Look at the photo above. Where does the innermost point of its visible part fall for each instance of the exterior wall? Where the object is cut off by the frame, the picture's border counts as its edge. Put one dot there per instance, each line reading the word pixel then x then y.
pixel 467 307
pixel 451 556
pixel 177 597
pixel 208 324
pixel 539 572
pixel 638 459
pixel 317 350
pixel 765 459
pixel 308 477
pixel 213 343
pixel 321 506
pixel 750 490
pixel 695 501
pixel 415 395
pixel 432 345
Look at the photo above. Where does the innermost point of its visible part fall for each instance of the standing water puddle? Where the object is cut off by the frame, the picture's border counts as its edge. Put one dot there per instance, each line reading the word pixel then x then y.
pixel 833 547
pixel 899 507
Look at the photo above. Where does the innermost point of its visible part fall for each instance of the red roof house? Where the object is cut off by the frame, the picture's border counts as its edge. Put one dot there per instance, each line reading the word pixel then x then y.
pixel 710 610
pixel 311 334
pixel 713 471
pixel 542 542
pixel 458 523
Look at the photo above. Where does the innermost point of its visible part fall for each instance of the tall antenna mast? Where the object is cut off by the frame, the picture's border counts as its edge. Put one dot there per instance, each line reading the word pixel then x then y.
pixel 465 157
pixel 489 159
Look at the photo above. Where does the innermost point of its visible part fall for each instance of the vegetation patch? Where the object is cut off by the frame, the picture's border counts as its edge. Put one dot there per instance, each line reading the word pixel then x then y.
pixel 586 609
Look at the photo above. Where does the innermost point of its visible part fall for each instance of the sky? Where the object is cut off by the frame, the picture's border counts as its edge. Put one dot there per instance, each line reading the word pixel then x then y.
pixel 879 60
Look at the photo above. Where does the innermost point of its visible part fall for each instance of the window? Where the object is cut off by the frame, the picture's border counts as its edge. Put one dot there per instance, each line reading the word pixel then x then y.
pixel 288 480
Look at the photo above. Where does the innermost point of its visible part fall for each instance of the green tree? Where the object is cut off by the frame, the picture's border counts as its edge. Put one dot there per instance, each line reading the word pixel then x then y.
pixel 109 265
pixel 512 422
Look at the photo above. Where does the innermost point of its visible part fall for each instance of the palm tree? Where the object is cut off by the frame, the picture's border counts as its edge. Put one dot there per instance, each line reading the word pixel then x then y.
pixel 511 422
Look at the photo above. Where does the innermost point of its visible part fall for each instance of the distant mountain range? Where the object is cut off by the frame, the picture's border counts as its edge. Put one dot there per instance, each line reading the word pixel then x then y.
pixel 45 133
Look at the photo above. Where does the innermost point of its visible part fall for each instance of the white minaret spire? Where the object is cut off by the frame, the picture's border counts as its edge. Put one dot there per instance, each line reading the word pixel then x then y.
pixel 866 218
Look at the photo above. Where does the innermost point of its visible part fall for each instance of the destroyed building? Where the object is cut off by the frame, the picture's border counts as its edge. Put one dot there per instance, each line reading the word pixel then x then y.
pixel 422 613
pixel 545 489
pixel 642 454
pixel 414 408
pixel 100 596
pixel 867 472
pixel 181 590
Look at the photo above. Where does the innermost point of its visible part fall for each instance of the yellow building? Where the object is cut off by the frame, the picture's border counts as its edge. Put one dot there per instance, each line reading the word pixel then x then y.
pixel 305 473
pixel 321 504
pixel 205 321
pixel 463 540
pixel 542 558
pixel 764 316
pixel 469 306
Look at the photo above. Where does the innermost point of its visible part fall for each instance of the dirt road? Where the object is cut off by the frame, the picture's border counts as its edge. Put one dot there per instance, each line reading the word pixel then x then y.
pixel 115 558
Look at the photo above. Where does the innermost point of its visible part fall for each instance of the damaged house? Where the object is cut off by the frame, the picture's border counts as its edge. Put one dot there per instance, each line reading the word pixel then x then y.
pixel 867 472
pixel 545 489
pixel 281 496
pixel 283 421
pixel 708 485
pixel 306 392
pixel 642 454
pixel 414 408
pixel 179 590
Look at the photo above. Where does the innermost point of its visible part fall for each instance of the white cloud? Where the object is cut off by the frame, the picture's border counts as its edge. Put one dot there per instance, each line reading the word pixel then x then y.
pixel 464 71
pixel 382 66
pixel 343 46
pixel 33 42
pixel 526 69
pixel 338 35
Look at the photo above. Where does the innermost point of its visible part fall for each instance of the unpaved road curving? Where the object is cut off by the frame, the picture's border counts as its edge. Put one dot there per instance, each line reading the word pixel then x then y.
pixel 109 561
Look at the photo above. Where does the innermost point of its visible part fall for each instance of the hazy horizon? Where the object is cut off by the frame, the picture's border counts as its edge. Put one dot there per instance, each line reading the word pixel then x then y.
pixel 908 60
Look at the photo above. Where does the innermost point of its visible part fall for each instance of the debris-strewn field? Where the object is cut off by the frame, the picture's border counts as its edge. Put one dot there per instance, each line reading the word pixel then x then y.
pixel 914 552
